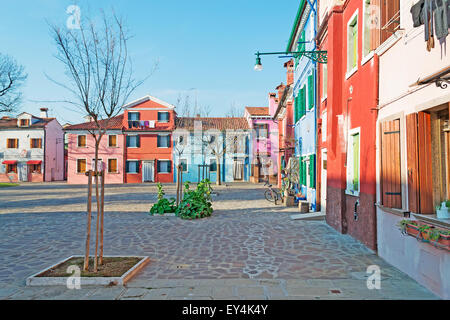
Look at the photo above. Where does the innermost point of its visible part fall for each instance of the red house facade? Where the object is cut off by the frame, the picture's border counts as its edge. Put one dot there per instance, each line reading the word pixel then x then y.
pixel 148 124
pixel 348 98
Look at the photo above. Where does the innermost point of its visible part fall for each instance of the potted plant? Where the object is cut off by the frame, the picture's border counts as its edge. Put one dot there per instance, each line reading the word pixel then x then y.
pixel 426 232
pixel 409 227
pixel 443 210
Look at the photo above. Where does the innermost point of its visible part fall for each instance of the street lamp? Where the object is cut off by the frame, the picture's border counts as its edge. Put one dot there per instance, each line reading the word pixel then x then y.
pixel 316 56
pixel 258 65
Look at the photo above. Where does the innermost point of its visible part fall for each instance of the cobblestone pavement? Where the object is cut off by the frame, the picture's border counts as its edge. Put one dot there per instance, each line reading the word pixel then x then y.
pixel 248 249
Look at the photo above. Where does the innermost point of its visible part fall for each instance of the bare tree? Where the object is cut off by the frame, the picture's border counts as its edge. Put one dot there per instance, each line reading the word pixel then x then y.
pixel 233 111
pixel 12 77
pixel 99 68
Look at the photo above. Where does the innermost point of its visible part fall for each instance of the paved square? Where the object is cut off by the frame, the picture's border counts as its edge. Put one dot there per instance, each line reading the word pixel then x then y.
pixel 248 249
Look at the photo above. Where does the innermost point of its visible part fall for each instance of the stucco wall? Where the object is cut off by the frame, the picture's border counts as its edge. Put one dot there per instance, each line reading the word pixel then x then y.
pixel 426 264
pixel 54 152
pixel 88 153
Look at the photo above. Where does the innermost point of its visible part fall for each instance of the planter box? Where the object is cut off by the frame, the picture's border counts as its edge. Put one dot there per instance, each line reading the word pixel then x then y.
pixel 289 201
pixel 36 280
pixel 303 206
pixel 413 230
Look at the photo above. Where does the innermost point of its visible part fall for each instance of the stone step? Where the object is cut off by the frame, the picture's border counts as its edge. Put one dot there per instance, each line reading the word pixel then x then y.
pixel 309 216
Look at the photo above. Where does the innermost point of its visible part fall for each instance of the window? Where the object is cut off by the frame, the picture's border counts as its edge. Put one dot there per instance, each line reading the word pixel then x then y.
pixel 352 44
pixel 212 165
pixel 391 185
pixel 183 163
pixel 112 165
pixel 35 168
pixel 300 104
pixel 164 166
pixel 163 116
pixel 369 24
pixel 12 143
pixel 390 18
pixel 324 80
pixel 163 141
pixel 81 165
pixel 112 140
pixel 35 143
pixel 133 116
pixel 99 165
pixel 261 131
pixel 81 141
pixel 133 141
pixel 132 166
pixel 311 92
pixel 353 148
pixel 11 168
pixel 24 122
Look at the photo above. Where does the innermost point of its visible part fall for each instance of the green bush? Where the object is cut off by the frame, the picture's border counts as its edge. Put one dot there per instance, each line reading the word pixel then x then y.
pixel 196 204
pixel 163 205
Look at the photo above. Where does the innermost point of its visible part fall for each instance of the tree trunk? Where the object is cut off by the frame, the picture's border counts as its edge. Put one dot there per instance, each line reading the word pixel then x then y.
pixel 88 232
pixel 97 198
pixel 219 175
pixel 102 211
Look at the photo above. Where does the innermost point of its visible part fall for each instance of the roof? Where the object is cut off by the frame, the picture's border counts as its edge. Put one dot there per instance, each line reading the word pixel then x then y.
pixel 11 123
pixel 213 123
pixel 152 103
pixel 113 124
pixel 258 111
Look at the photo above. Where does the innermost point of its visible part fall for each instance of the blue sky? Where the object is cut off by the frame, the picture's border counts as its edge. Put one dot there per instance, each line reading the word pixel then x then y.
pixel 206 45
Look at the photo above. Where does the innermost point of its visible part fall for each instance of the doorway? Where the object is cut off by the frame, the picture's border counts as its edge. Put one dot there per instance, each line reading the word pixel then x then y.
pixel 323 180
pixel 148 171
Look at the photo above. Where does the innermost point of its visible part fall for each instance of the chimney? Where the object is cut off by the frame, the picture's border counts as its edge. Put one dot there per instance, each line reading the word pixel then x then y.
pixel 198 115
pixel 289 71
pixel 88 119
pixel 280 89
pixel 44 113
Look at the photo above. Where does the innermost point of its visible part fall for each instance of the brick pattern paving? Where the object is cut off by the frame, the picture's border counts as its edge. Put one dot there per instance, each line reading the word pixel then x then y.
pixel 248 249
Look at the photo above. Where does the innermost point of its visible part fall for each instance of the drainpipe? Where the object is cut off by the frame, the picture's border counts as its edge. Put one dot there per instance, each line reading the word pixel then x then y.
pixel 45 160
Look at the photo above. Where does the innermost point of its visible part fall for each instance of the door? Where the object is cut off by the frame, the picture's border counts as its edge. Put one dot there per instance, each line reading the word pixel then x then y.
pixel 238 170
pixel 23 171
pixel 323 180
pixel 148 171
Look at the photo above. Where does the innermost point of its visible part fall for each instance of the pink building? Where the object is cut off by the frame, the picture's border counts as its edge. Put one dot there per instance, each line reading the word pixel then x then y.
pixel 31 148
pixel 264 153
pixel 81 152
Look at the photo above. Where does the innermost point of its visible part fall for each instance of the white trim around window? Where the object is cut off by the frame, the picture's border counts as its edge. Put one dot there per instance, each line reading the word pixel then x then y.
pixel 350 162
pixel 354 17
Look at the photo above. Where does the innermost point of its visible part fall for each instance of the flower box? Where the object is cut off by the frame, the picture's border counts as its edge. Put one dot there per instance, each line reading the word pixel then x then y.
pixel 426 232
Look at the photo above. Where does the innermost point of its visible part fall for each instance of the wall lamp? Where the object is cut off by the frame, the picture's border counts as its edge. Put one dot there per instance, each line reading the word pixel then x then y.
pixel 317 56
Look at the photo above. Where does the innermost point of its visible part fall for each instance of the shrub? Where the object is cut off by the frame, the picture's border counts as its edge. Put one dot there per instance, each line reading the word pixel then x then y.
pixel 196 204
pixel 163 205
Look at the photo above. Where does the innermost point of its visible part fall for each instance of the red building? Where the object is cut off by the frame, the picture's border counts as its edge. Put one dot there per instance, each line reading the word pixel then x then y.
pixel 148 124
pixel 348 113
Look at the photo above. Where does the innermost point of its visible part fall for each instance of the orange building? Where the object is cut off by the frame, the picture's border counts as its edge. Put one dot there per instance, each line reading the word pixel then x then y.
pixel 148 124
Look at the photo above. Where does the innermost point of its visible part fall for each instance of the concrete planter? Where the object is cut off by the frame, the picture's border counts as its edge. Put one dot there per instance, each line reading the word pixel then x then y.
pixel 35 280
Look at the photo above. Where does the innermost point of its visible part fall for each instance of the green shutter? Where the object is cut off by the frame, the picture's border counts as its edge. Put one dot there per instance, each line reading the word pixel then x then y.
pixel 312 171
pixel 355 162
pixel 310 91
pixel 296 109
pixel 303 102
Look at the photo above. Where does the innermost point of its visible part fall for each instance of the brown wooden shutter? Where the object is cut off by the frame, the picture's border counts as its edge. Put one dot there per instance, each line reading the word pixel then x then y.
pixel 390 164
pixel 412 163
pixel 425 164
pixel 375 19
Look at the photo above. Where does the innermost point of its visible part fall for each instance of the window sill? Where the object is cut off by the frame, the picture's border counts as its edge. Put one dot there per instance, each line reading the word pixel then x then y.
pixel 132 173
pixel 163 147
pixel 367 58
pixel 164 172
pixel 352 193
pixel 350 73
pixel 398 212
pixel 433 220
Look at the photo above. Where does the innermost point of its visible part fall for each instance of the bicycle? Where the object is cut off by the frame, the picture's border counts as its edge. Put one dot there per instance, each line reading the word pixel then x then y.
pixel 272 194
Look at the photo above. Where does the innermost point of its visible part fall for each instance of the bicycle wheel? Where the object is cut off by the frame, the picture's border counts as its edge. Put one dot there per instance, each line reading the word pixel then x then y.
pixel 270 196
